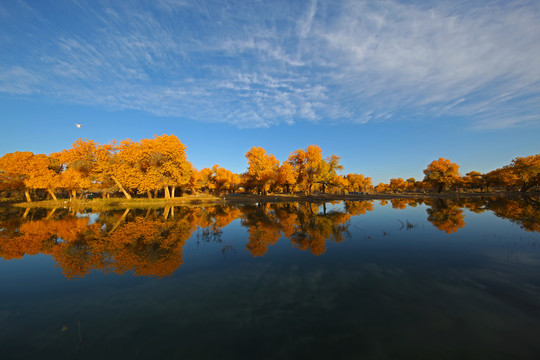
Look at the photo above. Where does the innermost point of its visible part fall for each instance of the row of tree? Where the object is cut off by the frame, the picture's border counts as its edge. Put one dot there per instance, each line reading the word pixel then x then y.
pixel 160 166
pixel 523 173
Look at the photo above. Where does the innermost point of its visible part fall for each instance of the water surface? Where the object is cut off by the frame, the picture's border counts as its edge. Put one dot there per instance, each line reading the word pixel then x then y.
pixel 402 279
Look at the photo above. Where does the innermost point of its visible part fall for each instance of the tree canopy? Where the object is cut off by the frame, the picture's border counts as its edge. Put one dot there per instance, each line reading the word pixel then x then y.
pixel 159 166
pixel 441 173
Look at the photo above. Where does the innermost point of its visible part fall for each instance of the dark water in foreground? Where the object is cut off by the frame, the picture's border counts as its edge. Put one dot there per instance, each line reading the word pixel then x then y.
pixel 349 280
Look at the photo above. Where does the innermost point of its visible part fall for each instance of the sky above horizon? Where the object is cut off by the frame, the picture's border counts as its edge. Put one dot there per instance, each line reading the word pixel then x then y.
pixel 388 86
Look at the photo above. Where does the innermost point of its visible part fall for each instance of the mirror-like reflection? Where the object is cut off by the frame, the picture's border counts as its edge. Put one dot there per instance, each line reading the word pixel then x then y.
pixel 150 242
pixel 389 279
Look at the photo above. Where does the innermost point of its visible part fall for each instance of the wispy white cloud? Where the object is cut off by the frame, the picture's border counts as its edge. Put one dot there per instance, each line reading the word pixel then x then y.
pixel 262 64
pixel 439 60
pixel 18 80
pixel 306 21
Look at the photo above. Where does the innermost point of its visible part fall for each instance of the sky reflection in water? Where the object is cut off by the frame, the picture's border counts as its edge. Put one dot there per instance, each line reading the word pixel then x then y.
pixel 398 279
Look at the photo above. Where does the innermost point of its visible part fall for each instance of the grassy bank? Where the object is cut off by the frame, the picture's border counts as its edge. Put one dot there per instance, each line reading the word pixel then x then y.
pixel 122 203
pixel 144 203
pixel 246 198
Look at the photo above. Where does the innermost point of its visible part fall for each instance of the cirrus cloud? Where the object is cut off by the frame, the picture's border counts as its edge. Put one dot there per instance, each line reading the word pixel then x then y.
pixel 262 64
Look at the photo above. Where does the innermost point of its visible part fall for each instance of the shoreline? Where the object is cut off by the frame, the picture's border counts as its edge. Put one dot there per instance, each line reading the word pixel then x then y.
pixel 198 200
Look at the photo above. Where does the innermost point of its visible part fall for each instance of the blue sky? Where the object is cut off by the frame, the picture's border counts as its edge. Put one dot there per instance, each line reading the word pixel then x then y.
pixel 388 86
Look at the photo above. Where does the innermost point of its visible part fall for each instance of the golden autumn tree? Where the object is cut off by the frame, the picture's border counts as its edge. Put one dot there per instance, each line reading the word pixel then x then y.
pixel 225 180
pixel 164 160
pixel 358 183
pixel 177 168
pixel 43 173
pixel 442 173
pixel 26 171
pixel 262 169
pixel 397 185
pixel 125 167
pixel 11 176
pixel 326 171
pixel 217 180
pixel 153 164
pixel 103 175
pixel 340 183
pixel 526 170
pixel 306 164
pixel 79 163
pixel 12 173
pixel 149 162
pixel 473 180
pixel 286 176
pixel 195 182
pixel 381 188
pixel 501 177
pixel 206 180
pixel 412 185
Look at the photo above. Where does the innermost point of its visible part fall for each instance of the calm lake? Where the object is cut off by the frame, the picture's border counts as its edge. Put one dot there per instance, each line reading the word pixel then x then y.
pixel 401 279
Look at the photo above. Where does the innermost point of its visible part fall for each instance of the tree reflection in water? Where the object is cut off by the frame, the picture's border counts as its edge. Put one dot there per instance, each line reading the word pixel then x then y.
pixel 445 215
pixel 151 242
pixel 525 213
pixel 263 228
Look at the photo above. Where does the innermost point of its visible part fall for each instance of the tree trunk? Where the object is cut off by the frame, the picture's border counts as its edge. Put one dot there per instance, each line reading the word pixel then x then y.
pixel 173 189
pixel 27 195
pixel 119 221
pixel 149 193
pixel 74 194
pixel 126 194
pixel 50 215
pixel 528 199
pixel 166 212
pixel 526 187
pixel 52 194
pixel 167 193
